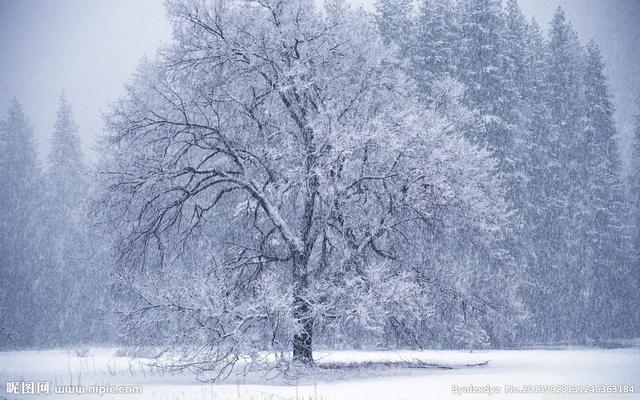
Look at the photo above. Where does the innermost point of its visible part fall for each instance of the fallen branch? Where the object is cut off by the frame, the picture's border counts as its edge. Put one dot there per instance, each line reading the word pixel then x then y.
pixel 395 364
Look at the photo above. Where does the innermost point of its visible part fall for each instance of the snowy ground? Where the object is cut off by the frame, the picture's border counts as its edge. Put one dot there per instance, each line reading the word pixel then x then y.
pixel 569 366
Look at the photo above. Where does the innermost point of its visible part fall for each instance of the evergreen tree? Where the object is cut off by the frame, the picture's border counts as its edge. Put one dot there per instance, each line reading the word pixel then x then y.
pixel 534 154
pixel 489 65
pixel 605 251
pixel 517 61
pixel 635 176
pixel 66 167
pixel 394 19
pixel 71 287
pixel 19 207
pixel 488 70
pixel 634 205
pixel 481 64
pixel 560 244
pixel 542 107
pixel 434 44
pixel 525 117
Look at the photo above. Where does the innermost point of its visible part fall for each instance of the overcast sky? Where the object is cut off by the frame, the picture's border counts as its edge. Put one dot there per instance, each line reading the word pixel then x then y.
pixel 88 48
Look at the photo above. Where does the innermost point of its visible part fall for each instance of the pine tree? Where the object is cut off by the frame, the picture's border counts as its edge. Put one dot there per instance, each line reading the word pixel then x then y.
pixel 605 256
pixel 534 154
pixel 19 207
pixel 559 262
pixel 65 159
pixel 517 63
pixel 525 69
pixel 481 59
pixel 71 280
pixel 634 205
pixel 489 64
pixel 635 177
pixel 434 44
pixel 394 19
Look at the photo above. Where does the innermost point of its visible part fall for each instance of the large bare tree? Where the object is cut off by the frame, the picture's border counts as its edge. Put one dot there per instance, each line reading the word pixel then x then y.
pixel 269 172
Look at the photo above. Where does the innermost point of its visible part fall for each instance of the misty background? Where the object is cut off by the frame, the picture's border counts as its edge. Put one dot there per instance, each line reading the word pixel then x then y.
pixel 89 49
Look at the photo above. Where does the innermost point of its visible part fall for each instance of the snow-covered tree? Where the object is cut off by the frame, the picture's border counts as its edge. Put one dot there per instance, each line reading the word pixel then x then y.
pixel 542 107
pixel 69 286
pixel 267 175
pixel 634 205
pixel 608 281
pixel 65 157
pixel 434 44
pixel 556 267
pixel 533 153
pixel 394 19
pixel 481 62
pixel 19 205
pixel 635 175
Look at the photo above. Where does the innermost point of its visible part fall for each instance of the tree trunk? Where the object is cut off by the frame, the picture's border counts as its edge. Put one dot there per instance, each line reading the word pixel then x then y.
pixel 302 340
